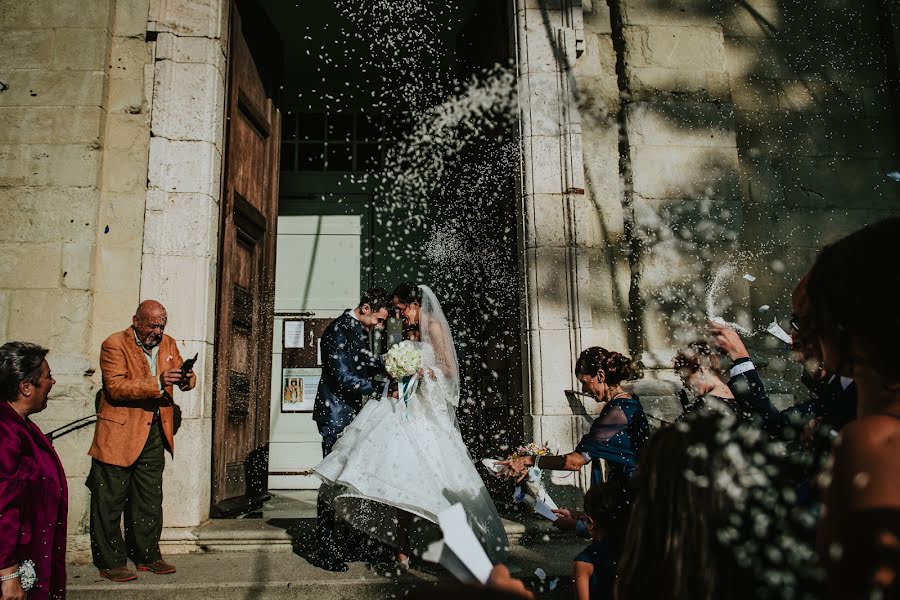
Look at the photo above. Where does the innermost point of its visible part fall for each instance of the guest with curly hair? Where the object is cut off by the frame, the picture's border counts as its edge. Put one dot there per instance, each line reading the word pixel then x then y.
pixel 616 435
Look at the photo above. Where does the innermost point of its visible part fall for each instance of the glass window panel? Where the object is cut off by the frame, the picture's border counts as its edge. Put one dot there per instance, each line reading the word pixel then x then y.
pixel 368 127
pixel 368 157
pixel 340 157
pixel 288 154
pixel 340 127
pixel 289 126
pixel 312 127
pixel 397 124
pixel 312 157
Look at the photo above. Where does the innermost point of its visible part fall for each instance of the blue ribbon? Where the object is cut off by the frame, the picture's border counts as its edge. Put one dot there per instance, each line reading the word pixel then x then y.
pixel 404 385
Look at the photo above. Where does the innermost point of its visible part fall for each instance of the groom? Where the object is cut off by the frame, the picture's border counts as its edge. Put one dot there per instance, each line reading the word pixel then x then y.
pixel 348 369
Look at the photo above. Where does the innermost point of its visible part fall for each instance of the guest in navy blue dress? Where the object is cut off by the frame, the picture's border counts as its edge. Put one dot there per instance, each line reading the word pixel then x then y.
pixel 606 507
pixel 616 435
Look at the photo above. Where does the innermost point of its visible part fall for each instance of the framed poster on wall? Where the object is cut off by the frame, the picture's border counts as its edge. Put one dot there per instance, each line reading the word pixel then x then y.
pixel 298 389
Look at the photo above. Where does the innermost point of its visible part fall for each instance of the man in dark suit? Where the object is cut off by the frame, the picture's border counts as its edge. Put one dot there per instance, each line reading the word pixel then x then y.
pixel 831 406
pixel 348 371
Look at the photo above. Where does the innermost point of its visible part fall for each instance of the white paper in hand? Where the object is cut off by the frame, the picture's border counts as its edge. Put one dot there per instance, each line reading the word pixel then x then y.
pixel 492 465
pixel 546 499
pixel 541 508
pixel 459 552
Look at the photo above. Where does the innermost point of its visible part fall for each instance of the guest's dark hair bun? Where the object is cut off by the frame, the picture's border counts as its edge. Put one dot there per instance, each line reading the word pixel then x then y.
pixel 619 368
pixel 616 367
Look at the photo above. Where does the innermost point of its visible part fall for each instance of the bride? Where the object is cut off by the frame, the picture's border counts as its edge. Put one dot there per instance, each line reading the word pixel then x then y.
pixel 401 464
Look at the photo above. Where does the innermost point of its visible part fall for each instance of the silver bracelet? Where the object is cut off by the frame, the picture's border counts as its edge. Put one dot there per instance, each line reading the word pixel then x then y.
pixel 537 459
pixel 25 574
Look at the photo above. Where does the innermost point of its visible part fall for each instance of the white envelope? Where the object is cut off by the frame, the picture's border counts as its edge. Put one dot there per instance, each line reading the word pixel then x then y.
pixel 492 465
pixel 545 497
pixel 459 552
pixel 541 508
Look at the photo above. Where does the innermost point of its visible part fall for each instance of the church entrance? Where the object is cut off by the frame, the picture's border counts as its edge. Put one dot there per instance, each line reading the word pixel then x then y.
pixel 346 216
pixel 249 209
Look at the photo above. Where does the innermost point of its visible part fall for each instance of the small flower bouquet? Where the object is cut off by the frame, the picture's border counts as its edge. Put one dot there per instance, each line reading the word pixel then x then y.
pixel 531 449
pixel 403 362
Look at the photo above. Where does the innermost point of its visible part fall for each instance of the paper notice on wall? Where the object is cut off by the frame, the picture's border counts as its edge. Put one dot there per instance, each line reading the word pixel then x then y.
pixel 294 332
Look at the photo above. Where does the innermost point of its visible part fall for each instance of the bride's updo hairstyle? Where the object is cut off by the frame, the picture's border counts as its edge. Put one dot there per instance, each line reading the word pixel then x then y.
pixel 408 292
pixel 616 367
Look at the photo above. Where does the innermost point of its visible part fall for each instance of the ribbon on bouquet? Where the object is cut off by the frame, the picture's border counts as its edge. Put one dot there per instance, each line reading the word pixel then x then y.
pixel 405 388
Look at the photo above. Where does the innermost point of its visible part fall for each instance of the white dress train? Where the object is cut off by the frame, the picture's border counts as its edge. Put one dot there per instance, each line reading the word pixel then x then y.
pixel 411 458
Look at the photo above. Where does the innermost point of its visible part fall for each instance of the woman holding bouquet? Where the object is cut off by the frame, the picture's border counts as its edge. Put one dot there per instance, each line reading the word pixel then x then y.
pixel 615 436
pixel 402 460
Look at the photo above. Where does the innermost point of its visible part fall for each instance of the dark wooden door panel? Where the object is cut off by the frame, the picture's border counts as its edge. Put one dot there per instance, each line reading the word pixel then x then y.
pixel 246 265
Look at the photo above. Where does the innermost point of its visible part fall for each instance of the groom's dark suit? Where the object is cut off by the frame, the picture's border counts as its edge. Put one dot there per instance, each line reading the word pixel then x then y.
pixel 348 369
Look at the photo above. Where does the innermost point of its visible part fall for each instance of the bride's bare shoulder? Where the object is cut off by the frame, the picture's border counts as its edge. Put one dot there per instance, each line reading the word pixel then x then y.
pixel 435 330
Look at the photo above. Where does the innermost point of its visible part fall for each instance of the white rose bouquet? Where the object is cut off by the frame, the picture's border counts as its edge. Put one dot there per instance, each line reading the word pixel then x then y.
pixel 403 362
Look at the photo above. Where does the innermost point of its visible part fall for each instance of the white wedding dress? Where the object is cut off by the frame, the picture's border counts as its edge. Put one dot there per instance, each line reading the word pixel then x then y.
pixel 412 457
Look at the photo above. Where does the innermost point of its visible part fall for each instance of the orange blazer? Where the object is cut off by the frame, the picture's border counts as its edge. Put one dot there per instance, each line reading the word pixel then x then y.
pixel 129 396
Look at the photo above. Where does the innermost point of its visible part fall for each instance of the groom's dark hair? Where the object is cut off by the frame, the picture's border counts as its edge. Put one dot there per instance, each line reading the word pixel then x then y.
pixel 376 297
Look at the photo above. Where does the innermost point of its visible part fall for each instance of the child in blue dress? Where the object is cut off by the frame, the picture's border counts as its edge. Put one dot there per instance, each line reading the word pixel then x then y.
pixel 606 508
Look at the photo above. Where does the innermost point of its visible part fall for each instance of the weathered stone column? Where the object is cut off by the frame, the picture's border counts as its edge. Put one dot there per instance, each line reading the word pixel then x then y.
pixel 181 225
pixel 549 37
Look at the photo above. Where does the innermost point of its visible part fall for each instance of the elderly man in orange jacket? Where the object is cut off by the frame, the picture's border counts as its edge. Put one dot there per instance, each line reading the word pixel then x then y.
pixel 135 425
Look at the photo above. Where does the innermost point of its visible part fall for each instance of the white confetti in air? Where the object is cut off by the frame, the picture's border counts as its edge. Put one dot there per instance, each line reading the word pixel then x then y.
pixel 540 573
pixel 764 308
pixel 749 277
pixel 775 329
pixel 715 289
pixel 895 175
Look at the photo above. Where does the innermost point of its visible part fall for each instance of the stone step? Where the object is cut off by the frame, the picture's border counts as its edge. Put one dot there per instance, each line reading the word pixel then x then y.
pixel 276 575
pixel 282 534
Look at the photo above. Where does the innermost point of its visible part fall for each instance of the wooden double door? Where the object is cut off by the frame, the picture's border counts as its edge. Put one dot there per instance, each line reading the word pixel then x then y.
pixel 246 279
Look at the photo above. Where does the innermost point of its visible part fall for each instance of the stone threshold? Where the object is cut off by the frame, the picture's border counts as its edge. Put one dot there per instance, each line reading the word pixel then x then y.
pixel 274 535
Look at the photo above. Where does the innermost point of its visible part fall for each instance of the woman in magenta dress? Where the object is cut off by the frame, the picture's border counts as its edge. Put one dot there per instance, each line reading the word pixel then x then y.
pixel 33 492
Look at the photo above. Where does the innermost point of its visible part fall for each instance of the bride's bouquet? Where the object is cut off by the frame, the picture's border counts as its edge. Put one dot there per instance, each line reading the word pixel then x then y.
pixel 403 362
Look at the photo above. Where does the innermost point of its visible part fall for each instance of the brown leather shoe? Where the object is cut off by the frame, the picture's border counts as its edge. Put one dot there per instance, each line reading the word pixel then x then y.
pixel 160 567
pixel 119 574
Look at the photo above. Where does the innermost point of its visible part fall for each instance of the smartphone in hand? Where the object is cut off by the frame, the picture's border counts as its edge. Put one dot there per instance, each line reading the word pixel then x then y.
pixel 187 365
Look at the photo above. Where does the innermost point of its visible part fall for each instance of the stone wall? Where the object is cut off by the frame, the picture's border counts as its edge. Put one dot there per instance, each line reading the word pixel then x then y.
pixel 74 130
pixel 749 133
pixel 816 129
pixel 180 243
